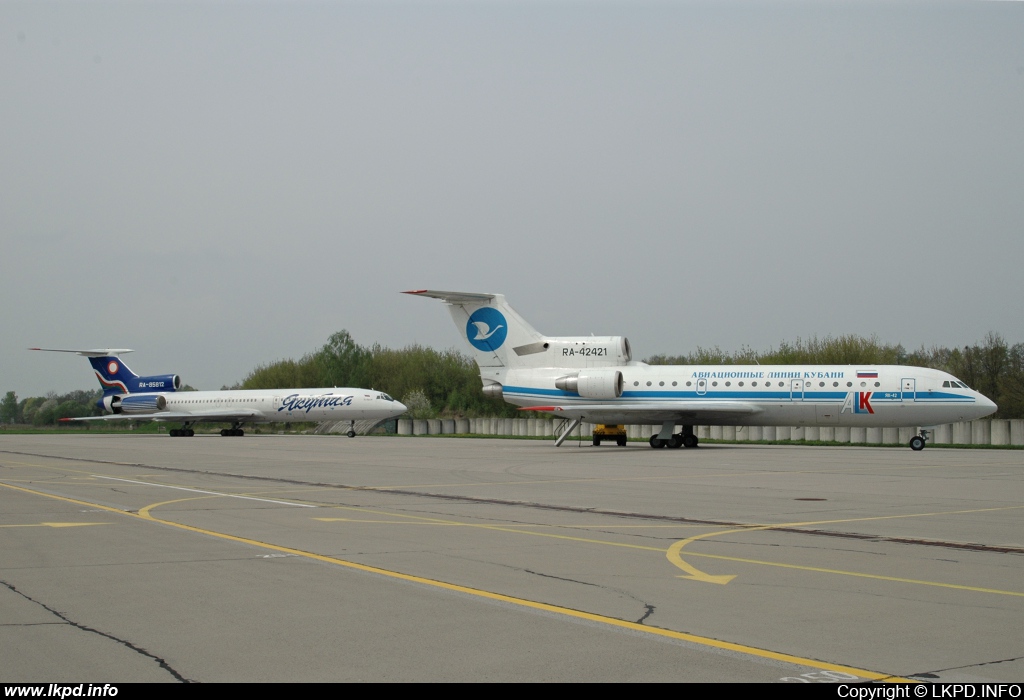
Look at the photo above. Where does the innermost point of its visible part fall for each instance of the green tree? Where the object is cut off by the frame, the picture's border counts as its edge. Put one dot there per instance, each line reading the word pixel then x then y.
pixel 9 408
pixel 342 362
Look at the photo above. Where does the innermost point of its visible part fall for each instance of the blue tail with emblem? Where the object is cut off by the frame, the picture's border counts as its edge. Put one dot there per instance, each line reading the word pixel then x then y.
pixel 117 379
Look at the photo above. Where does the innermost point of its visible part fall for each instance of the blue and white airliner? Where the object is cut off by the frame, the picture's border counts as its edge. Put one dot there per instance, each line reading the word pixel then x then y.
pixel 595 379
pixel 127 396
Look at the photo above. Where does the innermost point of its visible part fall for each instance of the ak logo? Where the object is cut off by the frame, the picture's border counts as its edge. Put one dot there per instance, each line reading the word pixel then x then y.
pixel 858 402
pixel 486 329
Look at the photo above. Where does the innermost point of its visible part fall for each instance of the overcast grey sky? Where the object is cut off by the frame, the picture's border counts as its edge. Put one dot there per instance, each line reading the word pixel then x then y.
pixel 220 185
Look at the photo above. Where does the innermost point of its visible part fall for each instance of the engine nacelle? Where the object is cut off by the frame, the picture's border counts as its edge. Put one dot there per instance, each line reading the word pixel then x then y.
pixel 493 389
pixel 140 404
pixel 158 382
pixel 593 384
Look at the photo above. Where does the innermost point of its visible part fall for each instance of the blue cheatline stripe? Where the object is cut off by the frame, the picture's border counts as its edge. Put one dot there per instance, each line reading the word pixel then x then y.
pixel 751 396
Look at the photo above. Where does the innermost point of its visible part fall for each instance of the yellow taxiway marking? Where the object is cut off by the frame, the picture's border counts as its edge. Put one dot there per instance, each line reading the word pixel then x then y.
pixel 145 514
pixel 859 574
pixel 57 525
pixel 210 493
pixel 674 552
pixel 692 572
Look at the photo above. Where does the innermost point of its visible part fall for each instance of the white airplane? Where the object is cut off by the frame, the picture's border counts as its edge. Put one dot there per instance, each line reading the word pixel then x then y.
pixel 596 379
pixel 127 396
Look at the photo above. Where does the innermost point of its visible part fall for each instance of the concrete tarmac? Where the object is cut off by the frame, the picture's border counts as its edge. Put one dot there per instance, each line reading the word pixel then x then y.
pixel 323 558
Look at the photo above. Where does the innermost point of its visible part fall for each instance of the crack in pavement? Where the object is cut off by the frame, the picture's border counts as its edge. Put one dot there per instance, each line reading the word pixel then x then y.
pixel 934 673
pixel 648 608
pixel 650 611
pixel 560 578
pixel 30 624
pixel 139 650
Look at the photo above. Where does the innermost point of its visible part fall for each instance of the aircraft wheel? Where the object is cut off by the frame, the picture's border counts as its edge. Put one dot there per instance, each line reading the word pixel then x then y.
pixel 675 442
pixel 917 443
pixel 597 441
pixel 175 432
pixel 657 443
pixel 620 441
pixel 690 440
pixel 190 433
pixel 239 433
pixel 351 433
pixel 224 432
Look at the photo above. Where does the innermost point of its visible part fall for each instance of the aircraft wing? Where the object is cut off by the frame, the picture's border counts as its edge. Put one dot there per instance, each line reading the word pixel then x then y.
pixel 687 412
pixel 212 416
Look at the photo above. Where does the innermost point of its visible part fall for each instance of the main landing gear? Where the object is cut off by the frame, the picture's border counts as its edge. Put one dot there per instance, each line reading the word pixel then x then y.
pixel 351 429
pixel 184 431
pixel 666 438
pixel 234 431
pixel 917 442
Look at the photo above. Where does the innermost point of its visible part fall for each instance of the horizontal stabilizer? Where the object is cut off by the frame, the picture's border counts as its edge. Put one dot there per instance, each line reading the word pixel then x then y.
pixel 89 353
pixel 452 297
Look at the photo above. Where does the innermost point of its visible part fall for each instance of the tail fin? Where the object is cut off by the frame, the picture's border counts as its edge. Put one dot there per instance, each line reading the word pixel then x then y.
pixel 114 375
pixel 498 335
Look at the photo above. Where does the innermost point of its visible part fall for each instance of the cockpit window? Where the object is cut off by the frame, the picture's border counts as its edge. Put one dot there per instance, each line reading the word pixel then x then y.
pixel 385 397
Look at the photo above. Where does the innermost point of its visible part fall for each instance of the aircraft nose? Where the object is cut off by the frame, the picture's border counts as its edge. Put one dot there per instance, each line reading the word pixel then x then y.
pixel 400 408
pixel 986 406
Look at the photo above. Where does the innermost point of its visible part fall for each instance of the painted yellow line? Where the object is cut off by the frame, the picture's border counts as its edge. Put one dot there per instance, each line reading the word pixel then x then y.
pixel 145 514
pixel 673 554
pixel 57 525
pixel 860 574
pixel 692 572
pixel 382 522
pixel 496 528
pixel 516 529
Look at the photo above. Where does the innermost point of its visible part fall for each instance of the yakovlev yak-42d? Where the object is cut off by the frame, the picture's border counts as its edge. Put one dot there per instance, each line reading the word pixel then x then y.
pixel 595 379
pixel 127 396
